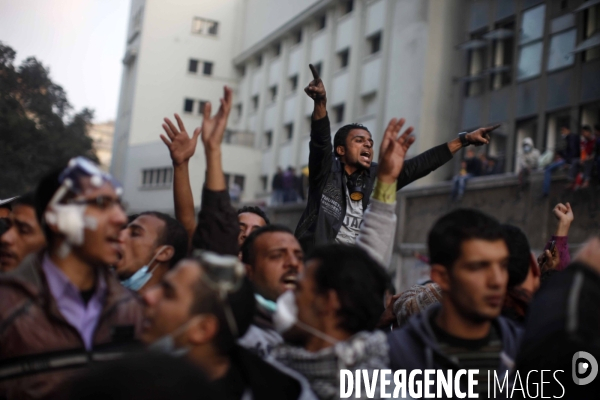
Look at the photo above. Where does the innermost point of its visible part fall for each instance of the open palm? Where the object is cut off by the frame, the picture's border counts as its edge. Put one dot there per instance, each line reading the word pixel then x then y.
pixel 393 149
pixel 181 146
pixel 213 128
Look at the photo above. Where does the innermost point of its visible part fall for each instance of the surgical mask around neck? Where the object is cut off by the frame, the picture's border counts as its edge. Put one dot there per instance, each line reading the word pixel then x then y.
pixel 166 344
pixel 286 316
pixel 268 305
pixel 137 281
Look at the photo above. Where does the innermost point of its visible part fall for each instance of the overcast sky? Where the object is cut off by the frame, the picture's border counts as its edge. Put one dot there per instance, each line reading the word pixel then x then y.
pixel 81 41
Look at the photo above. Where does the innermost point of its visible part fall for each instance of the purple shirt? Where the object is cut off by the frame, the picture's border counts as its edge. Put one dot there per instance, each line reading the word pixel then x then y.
pixel 70 303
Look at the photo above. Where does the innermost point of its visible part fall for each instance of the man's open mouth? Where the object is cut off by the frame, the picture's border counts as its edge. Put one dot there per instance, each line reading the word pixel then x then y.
pixel 290 281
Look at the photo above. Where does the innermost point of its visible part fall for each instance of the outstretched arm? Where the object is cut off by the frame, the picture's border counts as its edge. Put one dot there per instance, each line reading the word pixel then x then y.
pixel 218 227
pixel 430 160
pixel 379 224
pixel 181 148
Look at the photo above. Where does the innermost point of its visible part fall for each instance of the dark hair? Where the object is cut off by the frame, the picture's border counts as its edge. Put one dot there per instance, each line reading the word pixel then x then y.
pixel 28 199
pixel 446 237
pixel 340 136
pixel 586 128
pixel 254 210
pixel 359 281
pixel 147 376
pixel 241 302
pixel 173 234
pixel 131 218
pixel 519 250
pixel 248 251
pixel 597 127
pixel 46 188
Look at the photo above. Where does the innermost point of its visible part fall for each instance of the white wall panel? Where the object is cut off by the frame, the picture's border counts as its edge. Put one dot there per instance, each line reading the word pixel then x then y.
pixel 294 62
pixel 345 30
pixel 290 109
pixel 370 76
pixel 274 72
pixel 375 17
pixel 339 88
pixel 285 155
pixel 317 50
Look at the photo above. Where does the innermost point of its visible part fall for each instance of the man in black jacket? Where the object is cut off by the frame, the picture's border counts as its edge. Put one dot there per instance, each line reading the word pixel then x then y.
pixel 341 180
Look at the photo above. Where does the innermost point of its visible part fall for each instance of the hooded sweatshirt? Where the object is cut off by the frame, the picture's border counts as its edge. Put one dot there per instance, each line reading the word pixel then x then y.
pixel 415 346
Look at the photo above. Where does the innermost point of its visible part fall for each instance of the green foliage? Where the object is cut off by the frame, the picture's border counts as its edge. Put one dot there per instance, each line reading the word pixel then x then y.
pixel 36 134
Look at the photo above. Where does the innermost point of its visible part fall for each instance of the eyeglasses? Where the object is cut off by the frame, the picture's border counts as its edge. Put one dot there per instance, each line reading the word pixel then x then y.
pixel 101 202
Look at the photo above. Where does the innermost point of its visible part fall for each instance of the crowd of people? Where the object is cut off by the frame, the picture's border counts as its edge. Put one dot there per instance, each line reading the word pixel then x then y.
pixel 95 303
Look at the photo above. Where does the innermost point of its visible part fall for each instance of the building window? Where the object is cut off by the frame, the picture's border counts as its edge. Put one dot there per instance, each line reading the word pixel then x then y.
pixel 157 177
pixel 204 26
pixel 208 66
pixel 289 131
pixel 476 64
pixel 255 102
pixel 298 36
pixel 369 103
pixel 561 50
pixel 241 70
pixel 264 179
pixel 343 58
pixel 530 61
pixel 268 138
pixel 193 65
pixel 273 93
pixel 232 179
pixel 374 43
pixel 201 105
pixel 338 112
pixel 238 111
pixel 321 22
pixel 188 105
pixel 259 60
pixel 277 49
pixel 347 7
pixel 530 41
pixel 293 81
pixel 502 55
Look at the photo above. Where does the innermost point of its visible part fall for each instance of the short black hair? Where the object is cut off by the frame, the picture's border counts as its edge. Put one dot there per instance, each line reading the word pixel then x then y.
pixel 241 303
pixel 520 254
pixel 147 376
pixel 44 192
pixel 342 134
pixel 447 234
pixel 173 234
pixel 248 251
pixel 359 281
pixel 254 210
pixel 586 128
pixel 28 199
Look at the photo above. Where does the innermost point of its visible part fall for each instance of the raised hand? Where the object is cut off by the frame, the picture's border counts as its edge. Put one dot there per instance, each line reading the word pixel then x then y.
pixel 564 215
pixel 481 136
pixel 213 128
pixel 315 89
pixel 181 146
pixel 392 151
pixel 549 260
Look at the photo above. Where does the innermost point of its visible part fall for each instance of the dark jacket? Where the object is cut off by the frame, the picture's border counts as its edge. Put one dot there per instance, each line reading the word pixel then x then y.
pixel 218 228
pixel 415 346
pixel 326 205
pixel 571 149
pixel 563 319
pixel 251 374
pixel 31 323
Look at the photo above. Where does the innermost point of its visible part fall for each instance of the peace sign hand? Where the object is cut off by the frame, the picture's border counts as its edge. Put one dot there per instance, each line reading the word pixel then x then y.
pixel 315 89
pixel 181 146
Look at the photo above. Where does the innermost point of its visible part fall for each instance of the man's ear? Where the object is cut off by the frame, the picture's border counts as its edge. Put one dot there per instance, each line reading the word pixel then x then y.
pixel 166 254
pixel 440 275
pixel 204 329
pixel 340 150
pixel 533 265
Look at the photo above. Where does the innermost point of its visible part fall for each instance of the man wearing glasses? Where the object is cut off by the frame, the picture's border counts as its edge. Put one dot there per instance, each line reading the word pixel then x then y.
pixel 62 307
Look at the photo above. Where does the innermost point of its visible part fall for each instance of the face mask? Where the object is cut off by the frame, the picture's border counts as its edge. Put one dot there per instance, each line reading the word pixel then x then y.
pixel 136 281
pixel 166 344
pixel 286 316
pixel 266 304
pixel 527 148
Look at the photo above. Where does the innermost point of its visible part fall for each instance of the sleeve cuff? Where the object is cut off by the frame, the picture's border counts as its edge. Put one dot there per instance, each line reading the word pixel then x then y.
pixel 385 192
pixel 319 124
pixel 214 199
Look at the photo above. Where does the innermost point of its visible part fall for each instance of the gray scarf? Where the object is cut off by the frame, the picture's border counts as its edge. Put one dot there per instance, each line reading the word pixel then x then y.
pixel 364 350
